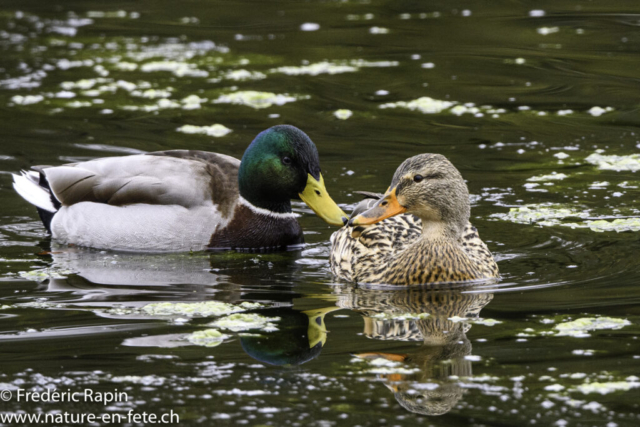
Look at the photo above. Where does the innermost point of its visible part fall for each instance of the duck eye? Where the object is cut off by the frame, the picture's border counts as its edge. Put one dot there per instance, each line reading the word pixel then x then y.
pixel 286 160
pixel 418 178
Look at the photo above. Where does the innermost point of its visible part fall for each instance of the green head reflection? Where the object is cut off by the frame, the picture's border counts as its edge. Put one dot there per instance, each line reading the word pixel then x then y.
pixel 300 337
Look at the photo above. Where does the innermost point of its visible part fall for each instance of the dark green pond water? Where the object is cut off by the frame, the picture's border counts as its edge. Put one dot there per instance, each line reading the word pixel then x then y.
pixel 537 105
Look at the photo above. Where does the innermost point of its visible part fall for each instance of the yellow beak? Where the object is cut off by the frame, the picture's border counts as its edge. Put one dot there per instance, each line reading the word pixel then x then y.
pixel 316 197
pixel 386 207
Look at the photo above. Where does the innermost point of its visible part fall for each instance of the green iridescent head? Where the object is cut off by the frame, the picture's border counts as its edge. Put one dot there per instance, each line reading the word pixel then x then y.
pixel 281 164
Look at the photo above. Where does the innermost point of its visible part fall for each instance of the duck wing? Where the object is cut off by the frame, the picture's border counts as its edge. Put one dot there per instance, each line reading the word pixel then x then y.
pixel 179 177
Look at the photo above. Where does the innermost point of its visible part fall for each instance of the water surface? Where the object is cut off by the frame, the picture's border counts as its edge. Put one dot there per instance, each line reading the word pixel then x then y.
pixel 527 99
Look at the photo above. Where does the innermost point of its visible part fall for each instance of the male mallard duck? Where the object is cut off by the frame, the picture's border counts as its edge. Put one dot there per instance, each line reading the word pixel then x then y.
pixel 421 234
pixel 183 200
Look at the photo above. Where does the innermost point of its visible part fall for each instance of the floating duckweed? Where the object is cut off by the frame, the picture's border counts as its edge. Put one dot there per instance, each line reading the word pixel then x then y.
pixel 617 163
pixel 216 130
pixel 486 322
pixel 326 67
pixel 379 30
pixel 554 387
pixel 196 309
pixel 152 93
pixel 362 63
pixel 552 215
pixel 545 214
pixel 482 378
pixel 37 304
pixel 579 327
pixel 83 84
pixel 599 184
pixel 561 155
pixel 606 388
pixel 110 14
pixel 162 104
pixel 79 104
pixel 179 69
pixel 44 274
pixel 243 322
pixel 207 338
pixel 256 99
pixel 315 69
pixel 26 100
pixel 192 102
pixel 425 105
pixel 242 75
pixel 343 114
pixel 618 225
pixel 598 111
pixel 126 66
pixel 547 30
pixel 552 177
pixel 459 110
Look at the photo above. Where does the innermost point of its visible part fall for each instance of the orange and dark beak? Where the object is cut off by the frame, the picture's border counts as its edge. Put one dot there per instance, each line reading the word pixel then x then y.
pixel 386 207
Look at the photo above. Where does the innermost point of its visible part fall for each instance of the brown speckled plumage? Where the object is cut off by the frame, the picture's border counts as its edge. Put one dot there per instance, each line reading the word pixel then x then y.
pixel 399 315
pixel 399 250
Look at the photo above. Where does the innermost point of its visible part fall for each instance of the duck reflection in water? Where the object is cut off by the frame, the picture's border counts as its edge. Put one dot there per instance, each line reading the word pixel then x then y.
pixel 301 337
pixel 103 276
pixel 399 315
pixel 118 279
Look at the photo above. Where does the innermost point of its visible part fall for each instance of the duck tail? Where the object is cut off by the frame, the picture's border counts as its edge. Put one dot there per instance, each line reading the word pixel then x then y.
pixel 34 188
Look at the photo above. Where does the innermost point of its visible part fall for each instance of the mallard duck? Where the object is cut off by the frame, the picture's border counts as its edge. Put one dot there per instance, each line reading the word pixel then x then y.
pixel 417 232
pixel 183 200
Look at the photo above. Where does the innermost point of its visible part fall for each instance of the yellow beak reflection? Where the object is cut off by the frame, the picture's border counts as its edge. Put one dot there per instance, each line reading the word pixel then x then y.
pixel 316 197
pixel 317 331
pixel 386 207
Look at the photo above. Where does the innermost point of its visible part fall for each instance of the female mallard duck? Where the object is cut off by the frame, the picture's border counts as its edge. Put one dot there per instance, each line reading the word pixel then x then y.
pixel 432 241
pixel 183 200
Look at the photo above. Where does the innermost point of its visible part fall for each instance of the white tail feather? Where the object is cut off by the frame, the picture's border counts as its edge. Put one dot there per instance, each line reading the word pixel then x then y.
pixel 27 186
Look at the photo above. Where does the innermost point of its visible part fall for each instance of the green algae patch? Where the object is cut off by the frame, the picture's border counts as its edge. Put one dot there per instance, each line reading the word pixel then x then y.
pixel 207 338
pixel 424 105
pixel 555 215
pixel 27 99
pixel 579 328
pixel 543 214
pixel 244 75
pixel 177 68
pixel 550 177
pixel 196 309
pixel 257 100
pixel 246 321
pixel 318 68
pixel 617 225
pixel 606 388
pixel 216 130
pixel 486 322
pixel 616 163
pixel 342 114
pixel 44 274
pixel 327 67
